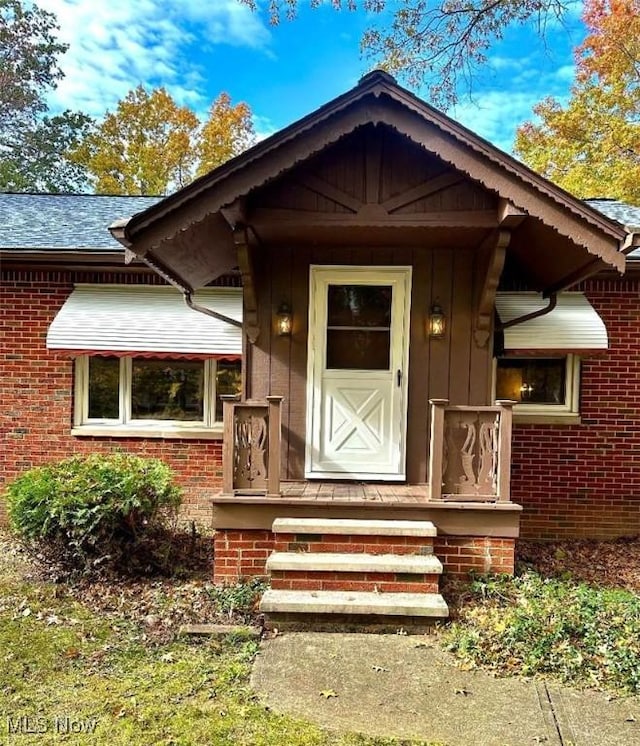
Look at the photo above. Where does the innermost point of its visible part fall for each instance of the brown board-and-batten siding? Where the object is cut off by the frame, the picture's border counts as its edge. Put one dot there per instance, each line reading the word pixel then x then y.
pixel 373 198
pixel 450 368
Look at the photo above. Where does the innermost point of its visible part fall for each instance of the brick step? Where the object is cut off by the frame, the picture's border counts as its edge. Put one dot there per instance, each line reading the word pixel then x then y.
pixel 385 573
pixel 354 581
pixel 350 562
pixel 353 544
pixel 423 605
pixel 341 536
pixel 353 527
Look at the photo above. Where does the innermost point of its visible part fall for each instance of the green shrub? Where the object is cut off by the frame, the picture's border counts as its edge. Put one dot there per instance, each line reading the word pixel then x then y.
pixel 91 511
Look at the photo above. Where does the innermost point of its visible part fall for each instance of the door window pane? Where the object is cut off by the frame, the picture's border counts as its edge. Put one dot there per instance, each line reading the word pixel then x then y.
pixel 167 390
pixel 359 327
pixel 359 350
pixel 104 388
pixel 532 380
pixel 359 305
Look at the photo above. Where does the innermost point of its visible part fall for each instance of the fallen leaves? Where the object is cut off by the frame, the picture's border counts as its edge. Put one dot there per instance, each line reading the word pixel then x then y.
pixel 614 564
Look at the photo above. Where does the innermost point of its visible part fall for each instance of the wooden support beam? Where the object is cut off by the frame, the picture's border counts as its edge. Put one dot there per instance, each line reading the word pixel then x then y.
pixel 374 215
pixel 275 427
pixel 235 213
pixel 436 448
pixel 246 266
pixel 373 166
pixel 489 264
pixel 509 216
pixel 333 193
pixel 426 189
pixel 503 486
pixel 228 444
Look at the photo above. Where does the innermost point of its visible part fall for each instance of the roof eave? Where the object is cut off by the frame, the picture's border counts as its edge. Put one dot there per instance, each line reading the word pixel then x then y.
pixel 130 231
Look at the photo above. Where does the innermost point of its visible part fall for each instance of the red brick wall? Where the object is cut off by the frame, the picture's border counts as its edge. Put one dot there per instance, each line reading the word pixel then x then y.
pixel 461 555
pixel 584 480
pixel 573 481
pixel 36 394
pixel 241 554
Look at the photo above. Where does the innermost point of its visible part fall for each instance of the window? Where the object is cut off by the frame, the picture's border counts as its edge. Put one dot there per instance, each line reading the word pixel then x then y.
pixel 147 394
pixel 539 385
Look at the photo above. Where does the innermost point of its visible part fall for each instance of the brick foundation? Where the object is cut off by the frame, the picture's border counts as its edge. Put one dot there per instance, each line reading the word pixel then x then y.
pixel 239 555
pixel 461 555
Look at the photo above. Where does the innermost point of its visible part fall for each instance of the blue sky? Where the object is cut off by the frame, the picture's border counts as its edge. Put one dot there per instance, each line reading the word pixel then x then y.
pixel 197 48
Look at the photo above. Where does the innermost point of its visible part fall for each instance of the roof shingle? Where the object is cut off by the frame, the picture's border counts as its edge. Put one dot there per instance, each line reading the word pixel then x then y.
pixel 64 222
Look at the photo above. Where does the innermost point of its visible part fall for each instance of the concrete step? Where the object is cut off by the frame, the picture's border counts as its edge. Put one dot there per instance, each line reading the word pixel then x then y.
pixel 353 527
pixel 424 605
pixel 357 562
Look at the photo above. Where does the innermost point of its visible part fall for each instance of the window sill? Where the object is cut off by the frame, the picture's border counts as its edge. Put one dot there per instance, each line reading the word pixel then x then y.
pixel 126 431
pixel 546 418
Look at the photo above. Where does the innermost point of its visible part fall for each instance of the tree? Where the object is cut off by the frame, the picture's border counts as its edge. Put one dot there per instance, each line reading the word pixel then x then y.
pixel 145 147
pixel 150 145
pixel 33 146
pixel 591 146
pixel 226 133
pixel 443 43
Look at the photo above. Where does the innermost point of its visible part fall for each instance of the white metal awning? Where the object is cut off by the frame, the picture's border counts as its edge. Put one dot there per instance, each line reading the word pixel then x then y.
pixel 573 326
pixel 127 320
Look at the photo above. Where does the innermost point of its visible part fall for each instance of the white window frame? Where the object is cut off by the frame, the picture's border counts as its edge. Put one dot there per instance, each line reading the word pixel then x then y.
pixel 566 413
pixel 125 425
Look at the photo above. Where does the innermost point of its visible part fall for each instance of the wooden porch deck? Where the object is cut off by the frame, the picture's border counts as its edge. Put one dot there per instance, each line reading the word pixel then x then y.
pixel 336 492
pixel 302 499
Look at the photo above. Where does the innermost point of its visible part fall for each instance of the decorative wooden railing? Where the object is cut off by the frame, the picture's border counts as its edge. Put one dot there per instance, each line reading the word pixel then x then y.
pixel 251 446
pixel 470 456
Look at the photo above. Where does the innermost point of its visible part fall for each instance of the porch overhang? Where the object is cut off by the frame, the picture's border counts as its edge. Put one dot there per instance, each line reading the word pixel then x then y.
pixel 556 239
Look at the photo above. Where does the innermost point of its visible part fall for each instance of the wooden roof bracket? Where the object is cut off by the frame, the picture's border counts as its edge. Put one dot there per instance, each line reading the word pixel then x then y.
pixel 243 244
pixel 489 265
pixel 244 238
pixel 509 216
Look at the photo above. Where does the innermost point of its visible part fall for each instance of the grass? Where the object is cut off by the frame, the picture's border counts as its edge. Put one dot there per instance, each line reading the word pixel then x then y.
pixel 91 653
pixel 59 660
pixel 531 625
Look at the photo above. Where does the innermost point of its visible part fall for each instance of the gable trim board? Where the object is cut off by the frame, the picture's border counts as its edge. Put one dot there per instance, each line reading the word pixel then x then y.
pixel 126 320
pixel 377 99
pixel 573 326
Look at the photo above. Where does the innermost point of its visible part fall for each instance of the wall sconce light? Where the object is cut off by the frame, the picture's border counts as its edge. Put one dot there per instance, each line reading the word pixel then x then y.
pixel 437 321
pixel 284 319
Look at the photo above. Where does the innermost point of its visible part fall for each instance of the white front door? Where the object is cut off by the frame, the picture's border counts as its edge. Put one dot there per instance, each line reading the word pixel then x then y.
pixel 357 372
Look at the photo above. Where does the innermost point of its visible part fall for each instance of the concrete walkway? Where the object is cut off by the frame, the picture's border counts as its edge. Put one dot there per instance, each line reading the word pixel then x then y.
pixel 406 686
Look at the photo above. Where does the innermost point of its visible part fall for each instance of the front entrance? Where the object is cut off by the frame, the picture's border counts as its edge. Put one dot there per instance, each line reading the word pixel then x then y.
pixel 357 372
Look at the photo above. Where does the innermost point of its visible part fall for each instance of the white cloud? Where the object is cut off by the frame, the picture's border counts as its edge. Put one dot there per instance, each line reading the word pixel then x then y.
pixel 115 45
pixel 495 115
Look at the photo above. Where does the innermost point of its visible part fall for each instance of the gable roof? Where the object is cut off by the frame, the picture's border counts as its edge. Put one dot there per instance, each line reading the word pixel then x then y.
pixel 63 222
pixel 373 86
pixel 166 234
pixel 627 215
